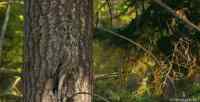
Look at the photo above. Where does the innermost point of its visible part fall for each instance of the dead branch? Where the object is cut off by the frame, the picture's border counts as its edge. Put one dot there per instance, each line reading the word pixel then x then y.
pixel 134 43
pixel 173 12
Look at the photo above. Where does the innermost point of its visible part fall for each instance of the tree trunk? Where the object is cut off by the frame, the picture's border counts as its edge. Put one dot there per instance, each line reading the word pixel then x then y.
pixel 58 41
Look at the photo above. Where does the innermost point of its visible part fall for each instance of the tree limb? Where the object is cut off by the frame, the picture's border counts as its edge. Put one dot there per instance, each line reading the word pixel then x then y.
pixel 105 76
pixel 134 43
pixel 173 12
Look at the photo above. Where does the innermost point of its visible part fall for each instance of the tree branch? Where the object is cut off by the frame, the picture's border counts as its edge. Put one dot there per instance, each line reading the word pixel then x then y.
pixel 134 43
pixel 105 76
pixel 173 12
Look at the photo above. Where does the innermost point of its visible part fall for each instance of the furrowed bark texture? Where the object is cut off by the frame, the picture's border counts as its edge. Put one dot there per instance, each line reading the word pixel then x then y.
pixel 57 57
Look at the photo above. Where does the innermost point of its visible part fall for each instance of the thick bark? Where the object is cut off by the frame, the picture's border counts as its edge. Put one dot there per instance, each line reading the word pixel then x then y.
pixel 58 36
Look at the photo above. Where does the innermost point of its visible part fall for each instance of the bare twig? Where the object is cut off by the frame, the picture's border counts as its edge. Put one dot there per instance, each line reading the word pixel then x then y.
pixel 168 74
pixel 14 86
pixel 173 12
pixel 105 76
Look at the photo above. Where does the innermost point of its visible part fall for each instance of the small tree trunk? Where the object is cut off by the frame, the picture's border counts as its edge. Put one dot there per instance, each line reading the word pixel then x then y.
pixel 58 36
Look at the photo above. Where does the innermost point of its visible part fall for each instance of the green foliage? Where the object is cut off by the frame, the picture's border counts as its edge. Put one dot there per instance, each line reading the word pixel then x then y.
pixel 11 60
pixel 12 55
